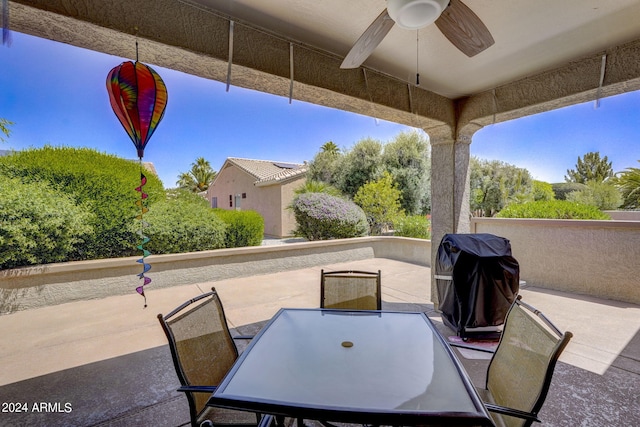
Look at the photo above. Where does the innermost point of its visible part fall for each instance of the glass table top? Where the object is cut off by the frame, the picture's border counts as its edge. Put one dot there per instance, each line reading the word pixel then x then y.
pixel 374 362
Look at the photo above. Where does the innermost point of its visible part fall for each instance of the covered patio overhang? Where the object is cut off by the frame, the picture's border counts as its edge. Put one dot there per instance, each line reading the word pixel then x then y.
pixel 547 54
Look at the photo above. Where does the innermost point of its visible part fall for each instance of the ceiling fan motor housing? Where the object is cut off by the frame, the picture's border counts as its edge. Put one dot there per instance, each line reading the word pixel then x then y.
pixel 414 14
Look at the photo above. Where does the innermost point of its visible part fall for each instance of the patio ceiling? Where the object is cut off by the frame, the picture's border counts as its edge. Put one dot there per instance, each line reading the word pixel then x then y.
pixel 531 36
pixel 547 53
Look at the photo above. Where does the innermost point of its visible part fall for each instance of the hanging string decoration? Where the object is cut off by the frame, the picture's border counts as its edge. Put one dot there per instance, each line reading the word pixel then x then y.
pixel 138 97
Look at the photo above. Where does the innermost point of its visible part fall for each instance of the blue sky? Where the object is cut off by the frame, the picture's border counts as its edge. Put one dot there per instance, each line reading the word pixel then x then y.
pixel 55 94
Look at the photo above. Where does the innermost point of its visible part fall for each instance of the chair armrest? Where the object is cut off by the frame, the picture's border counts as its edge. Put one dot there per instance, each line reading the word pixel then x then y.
pixel 511 412
pixel 471 347
pixel 243 337
pixel 198 388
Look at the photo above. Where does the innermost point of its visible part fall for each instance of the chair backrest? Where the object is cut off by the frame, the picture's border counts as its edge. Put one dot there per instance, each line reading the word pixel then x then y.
pixel 201 345
pixel 520 371
pixel 350 289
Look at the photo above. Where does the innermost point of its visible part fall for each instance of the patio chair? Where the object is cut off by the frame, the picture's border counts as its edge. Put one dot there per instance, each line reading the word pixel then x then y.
pixel 203 351
pixel 520 370
pixel 350 289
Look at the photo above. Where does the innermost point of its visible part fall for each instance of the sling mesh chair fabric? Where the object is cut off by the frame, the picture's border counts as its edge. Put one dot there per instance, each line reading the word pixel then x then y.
pixel 203 351
pixel 350 289
pixel 520 371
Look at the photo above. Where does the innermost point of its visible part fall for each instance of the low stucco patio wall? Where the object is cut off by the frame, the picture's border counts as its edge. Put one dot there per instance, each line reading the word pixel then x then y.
pixel 599 258
pixel 624 215
pixel 42 285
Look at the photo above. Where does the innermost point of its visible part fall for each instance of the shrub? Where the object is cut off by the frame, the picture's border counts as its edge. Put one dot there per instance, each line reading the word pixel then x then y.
pixel 562 189
pixel 183 223
pixel 103 182
pixel 417 226
pixel 243 228
pixel 39 225
pixel 553 209
pixel 543 191
pixel 322 216
pixel 602 195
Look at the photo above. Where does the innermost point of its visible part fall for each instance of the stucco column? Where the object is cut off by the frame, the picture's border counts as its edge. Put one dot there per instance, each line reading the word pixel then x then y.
pixel 450 211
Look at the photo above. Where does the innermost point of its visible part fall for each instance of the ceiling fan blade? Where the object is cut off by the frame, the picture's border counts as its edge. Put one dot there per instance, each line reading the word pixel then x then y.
pixel 464 29
pixel 368 41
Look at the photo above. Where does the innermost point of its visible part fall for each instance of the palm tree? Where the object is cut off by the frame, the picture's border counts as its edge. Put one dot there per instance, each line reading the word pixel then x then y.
pixel 628 182
pixel 330 147
pixel 311 186
pixel 198 178
pixel 4 128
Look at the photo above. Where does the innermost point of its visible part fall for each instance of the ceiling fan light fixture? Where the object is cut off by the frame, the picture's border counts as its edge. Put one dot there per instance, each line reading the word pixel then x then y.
pixel 414 14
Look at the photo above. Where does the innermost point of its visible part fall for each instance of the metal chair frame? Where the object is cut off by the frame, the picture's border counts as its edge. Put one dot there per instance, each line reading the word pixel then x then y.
pixel 527 417
pixel 189 389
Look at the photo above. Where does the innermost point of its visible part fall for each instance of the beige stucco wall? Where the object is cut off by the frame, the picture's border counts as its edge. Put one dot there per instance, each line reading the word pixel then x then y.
pixel 599 258
pixel 231 181
pixel 288 219
pixel 269 200
pixel 624 215
pixel 41 285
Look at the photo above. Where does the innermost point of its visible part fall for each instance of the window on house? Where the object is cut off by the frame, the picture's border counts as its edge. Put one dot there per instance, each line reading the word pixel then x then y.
pixel 244 195
pixel 214 202
pixel 230 200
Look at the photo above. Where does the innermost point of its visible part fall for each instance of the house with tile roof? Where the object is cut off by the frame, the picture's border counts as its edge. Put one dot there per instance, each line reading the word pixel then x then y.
pixel 264 186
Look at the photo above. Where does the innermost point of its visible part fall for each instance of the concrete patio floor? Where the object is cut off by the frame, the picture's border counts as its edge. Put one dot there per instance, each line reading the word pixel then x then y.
pixel 106 363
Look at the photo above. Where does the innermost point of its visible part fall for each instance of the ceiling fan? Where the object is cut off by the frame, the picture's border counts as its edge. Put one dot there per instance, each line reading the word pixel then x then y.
pixel 455 20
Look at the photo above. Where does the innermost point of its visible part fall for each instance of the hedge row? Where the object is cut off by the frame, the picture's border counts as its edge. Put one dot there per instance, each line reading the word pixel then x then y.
pixel 67 204
pixel 183 222
pixel 101 184
pixel 416 226
pixel 552 209
pixel 39 224
pixel 244 228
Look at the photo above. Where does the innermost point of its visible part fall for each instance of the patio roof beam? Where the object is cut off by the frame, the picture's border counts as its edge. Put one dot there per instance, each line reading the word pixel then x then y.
pixel 175 35
pixel 573 83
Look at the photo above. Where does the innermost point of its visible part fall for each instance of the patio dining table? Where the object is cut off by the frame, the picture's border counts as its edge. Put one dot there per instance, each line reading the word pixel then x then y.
pixel 367 367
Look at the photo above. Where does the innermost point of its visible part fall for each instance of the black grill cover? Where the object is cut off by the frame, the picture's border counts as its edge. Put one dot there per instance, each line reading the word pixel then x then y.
pixel 477 280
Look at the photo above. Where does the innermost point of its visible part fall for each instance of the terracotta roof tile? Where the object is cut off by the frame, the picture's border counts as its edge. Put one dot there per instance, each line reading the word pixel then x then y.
pixel 269 171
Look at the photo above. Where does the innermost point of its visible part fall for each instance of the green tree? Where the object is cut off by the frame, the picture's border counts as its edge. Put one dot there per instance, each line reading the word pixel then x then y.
pixel 198 178
pixel 4 129
pixel 542 191
pixel 603 195
pixel 361 164
pixel 406 158
pixel 494 184
pixel 590 168
pixel 325 166
pixel 380 201
pixel 628 182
